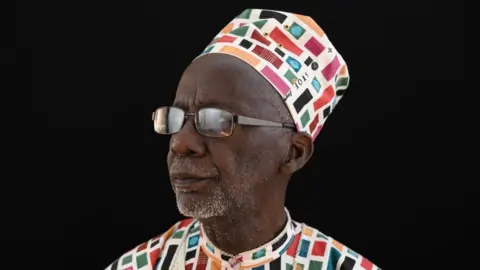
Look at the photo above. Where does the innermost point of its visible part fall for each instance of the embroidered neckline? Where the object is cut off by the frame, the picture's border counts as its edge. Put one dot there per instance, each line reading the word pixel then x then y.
pixel 249 259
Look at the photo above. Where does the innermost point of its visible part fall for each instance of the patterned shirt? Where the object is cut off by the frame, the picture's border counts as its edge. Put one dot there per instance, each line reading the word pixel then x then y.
pixel 298 246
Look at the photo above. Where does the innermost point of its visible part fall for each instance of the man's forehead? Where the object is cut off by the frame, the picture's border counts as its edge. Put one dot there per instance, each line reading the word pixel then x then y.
pixel 218 79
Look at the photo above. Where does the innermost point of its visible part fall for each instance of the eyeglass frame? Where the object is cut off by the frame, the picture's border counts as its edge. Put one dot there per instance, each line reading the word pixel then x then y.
pixel 236 120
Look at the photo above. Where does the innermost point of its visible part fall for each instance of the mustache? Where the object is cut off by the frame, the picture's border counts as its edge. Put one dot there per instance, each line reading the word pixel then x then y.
pixel 188 166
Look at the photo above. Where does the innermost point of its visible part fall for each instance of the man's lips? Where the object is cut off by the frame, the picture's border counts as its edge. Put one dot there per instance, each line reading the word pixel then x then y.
pixel 187 182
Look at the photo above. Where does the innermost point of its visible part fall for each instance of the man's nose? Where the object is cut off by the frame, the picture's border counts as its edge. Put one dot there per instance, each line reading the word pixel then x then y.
pixel 187 141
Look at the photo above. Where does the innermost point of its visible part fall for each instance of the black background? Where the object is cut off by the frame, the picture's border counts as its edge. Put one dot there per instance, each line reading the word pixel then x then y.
pixel 384 179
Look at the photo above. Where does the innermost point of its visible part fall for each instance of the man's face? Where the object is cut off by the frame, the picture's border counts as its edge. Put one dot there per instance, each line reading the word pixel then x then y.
pixel 236 169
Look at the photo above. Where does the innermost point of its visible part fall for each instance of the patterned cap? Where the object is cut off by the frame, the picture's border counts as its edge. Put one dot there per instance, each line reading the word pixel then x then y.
pixel 293 53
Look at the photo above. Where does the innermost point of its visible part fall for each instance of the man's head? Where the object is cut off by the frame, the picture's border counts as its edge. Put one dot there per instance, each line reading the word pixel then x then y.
pixel 267 65
pixel 247 167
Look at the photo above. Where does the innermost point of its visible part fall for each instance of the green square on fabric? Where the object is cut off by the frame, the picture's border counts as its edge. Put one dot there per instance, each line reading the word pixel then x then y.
pixel 241 31
pixel 320 235
pixel 245 14
pixel 142 260
pixel 208 49
pixel 290 76
pixel 315 265
pixel 178 235
pixel 342 82
pixel 305 118
pixel 127 259
pixel 260 23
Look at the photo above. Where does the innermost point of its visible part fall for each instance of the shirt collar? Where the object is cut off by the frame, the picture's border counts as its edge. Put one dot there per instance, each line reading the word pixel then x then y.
pixel 252 258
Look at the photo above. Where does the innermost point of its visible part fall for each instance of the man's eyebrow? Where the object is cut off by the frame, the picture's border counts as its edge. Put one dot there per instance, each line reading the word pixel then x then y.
pixel 203 104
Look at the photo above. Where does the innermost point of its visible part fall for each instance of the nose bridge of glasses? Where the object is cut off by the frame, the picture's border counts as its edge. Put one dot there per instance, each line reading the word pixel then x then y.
pixel 187 115
pixel 185 119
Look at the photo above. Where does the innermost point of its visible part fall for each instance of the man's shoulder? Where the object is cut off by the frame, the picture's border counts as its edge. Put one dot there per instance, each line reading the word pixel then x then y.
pixel 325 248
pixel 145 255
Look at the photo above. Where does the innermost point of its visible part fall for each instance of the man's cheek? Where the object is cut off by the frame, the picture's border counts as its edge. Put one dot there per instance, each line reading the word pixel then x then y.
pixel 227 166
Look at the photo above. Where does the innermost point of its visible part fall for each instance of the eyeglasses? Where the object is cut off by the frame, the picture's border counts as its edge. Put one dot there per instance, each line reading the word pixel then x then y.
pixel 210 122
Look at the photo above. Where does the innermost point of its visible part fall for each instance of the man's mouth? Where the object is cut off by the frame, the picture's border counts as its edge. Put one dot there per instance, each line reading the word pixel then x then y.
pixel 188 181
pixel 190 184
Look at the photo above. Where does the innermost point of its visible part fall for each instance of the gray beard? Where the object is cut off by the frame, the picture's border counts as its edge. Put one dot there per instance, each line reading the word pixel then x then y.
pixel 222 202
pixel 215 205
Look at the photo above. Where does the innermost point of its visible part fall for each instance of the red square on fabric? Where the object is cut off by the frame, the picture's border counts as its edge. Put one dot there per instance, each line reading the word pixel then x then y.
pixel 185 223
pixel 202 260
pixel 142 247
pixel 292 249
pixel 366 264
pixel 154 257
pixel 319 248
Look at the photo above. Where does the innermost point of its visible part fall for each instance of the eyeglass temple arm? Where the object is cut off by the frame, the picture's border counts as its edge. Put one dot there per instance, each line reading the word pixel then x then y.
pixel 244 120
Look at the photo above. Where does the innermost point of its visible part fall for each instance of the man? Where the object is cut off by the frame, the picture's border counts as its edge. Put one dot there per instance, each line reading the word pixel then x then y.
pixel 244 119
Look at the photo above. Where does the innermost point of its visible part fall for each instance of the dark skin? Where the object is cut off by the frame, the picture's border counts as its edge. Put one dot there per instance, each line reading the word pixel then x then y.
pixel 252 167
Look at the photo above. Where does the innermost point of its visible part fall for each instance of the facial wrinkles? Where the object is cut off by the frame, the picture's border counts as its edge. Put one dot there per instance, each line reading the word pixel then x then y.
pixel 230 194
pixel 241 194
pixel 212 206
pixel 235 190
pixel 249 174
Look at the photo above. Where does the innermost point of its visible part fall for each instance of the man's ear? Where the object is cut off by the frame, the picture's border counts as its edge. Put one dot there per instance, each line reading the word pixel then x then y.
pixel 299 153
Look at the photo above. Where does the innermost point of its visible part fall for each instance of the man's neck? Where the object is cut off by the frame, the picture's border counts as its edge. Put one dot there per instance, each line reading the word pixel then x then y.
pixel 242 231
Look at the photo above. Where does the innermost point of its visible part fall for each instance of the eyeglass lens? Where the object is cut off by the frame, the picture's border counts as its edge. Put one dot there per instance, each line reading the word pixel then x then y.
pixel 210 122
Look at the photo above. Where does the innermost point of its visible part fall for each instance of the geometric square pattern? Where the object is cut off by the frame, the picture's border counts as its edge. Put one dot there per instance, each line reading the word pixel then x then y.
pixel 294 55
pixel 186 246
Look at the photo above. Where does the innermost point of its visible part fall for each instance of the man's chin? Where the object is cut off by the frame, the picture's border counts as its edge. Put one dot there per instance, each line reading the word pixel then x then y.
pixel 192 205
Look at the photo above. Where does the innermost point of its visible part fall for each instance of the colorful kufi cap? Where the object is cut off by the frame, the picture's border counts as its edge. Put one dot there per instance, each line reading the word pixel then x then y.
pixel 293 53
